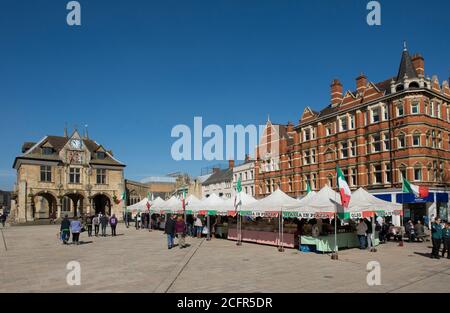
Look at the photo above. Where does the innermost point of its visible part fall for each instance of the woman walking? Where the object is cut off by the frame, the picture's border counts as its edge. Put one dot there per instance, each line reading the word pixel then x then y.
pixel 96 222
pixel 198 226
pixel 180 230
pixel 75 227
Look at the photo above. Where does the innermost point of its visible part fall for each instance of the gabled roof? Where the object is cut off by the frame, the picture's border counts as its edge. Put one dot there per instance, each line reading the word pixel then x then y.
pixel 58 143
pixel 219 177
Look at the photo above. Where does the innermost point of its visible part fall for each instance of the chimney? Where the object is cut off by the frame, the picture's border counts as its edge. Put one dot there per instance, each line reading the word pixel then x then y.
pixel 361 83
pixel 230 163
pixel 419 64
pixel 290 127
pixel 336 92
pixel 65 131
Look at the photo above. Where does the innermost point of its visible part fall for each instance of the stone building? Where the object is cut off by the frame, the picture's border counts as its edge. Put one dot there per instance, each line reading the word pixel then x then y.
pixel 157 186
pixel 220 182
pixel 376 134
pixel 245 172
pixel 70 175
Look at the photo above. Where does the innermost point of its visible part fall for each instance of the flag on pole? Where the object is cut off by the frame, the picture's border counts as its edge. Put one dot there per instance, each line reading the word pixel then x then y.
pixel 237 197
pixel 123 197
pixel 343 187
pixel 418 191
pixel 308 188
pixel 148 201
pixel 183 199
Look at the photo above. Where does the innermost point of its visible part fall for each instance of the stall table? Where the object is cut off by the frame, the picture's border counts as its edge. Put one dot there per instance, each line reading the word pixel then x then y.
pixel 326 243
pixel 265 237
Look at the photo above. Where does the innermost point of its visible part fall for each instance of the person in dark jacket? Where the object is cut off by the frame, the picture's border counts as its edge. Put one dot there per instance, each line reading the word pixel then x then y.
pixel 180 230
pixel 113 222
pixel 104 222
pixel 89 225
pixel 65 229
pixel 169 230
pixel 436 237
pixel 446 239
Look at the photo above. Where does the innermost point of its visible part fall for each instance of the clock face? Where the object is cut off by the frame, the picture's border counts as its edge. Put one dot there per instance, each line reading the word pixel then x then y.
pixel 75 143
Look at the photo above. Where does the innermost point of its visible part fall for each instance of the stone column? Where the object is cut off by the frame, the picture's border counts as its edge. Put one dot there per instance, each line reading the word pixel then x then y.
pixel 58 208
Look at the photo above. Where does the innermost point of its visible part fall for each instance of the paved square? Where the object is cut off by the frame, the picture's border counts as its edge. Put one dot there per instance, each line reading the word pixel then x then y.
pixel 139 261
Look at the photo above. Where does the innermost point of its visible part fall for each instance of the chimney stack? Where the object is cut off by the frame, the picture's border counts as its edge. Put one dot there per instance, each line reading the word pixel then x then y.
pixel 361 83
pixel 336 92
pixel 230 163
pixel 290 127
pixel 419 64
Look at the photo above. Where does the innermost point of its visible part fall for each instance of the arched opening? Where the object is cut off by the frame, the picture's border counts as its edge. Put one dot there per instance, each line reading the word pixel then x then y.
pixel 44 206
pixel 399 88
pixel 101 204
pixel 73 204
pixel 414 85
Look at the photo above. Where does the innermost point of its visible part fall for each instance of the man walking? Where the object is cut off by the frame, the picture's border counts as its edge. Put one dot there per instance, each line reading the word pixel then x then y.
pixel 96 222
pixel 75 227
pixel 361 230
pixel 446 239
pixel 65 229
pixel 169 230
pixel 104 222
pixel 113 223
pixel 89 225
pixel 436 237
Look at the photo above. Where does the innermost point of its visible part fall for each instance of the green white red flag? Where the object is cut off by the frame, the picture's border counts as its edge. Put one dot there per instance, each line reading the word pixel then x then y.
pixel 148 201
pixel 418 191
pixel 183 199
pixel 343 187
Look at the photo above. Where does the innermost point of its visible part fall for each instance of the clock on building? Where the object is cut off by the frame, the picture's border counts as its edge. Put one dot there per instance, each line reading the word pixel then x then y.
pixel 75 143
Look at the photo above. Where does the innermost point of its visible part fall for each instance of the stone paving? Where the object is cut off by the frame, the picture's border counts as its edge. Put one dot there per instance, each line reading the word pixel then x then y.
pixel 139 261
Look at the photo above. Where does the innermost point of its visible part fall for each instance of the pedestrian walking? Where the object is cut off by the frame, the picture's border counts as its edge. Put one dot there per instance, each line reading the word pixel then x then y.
pixel 169 230
pixel 75 228
pixel 96 222
pixel 198 226
pixel 436 237
pixel 113 222
pixel 104 222
pixel 89 225
pixel 180 230
pixel 361 230
pixel 137 220
pixel 446 240
pixel 65 229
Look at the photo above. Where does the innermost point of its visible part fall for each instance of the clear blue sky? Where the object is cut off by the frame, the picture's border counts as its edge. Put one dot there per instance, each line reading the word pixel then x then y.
pixel 134 69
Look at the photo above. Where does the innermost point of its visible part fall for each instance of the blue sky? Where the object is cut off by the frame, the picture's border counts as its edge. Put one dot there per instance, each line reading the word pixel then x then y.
pixel 134 69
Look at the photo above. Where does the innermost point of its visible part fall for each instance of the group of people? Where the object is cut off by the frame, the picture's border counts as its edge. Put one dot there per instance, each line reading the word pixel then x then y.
pixel 440 234
pixel 175 226
pixel 3 218
pixel 87 223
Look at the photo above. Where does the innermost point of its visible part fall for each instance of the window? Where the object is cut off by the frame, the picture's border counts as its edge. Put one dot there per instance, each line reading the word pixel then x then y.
pixel 47 150
pixel 352 148
pixel 377 174
pixel 329 130
pixel 439 139
pixel 418 172
pixel 74 175
pixel 46 173
pixel 306 181
pixel 415 107
pixel 101 155
pixel 402 170
pixel 101 176
pixel 375 115
pixel 386 145
pixel 353 176
pixel 416 139
pixel 376 146
pixel 432 109
pixel 352 121
pixel 388 176
pixel 401 141
pixel 330 180
pixel 343 150
pixel 306 155
pixel 343 123
pixel 313 156
pixel 385 113
pixel 438 110
pixel 313 182
pixel 400 110
pixel 308 134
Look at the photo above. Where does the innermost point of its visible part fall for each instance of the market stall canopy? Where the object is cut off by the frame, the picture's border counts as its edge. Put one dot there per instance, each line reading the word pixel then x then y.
pixel 273 203
pixel 141 206
pixel 364 204
pixel 321 205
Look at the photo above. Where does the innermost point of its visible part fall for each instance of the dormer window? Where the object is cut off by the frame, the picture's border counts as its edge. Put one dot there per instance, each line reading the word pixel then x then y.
pixel 47 150
pixel 101 155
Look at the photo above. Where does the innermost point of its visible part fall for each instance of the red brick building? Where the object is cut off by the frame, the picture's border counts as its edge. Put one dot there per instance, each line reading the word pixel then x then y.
pixel 374 133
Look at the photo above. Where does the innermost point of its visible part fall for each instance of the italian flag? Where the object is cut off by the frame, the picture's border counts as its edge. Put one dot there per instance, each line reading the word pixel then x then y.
pixel 308 188
pixel 148 201
pixel 418 191
pixel 123 197
pixel 183 199
pixel 237 197
pixel 344 189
